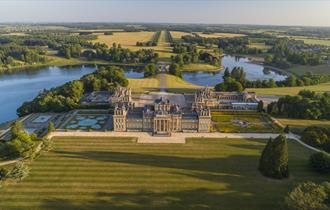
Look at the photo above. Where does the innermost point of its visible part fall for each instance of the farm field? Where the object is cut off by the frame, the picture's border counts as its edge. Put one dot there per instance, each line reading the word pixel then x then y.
pixel 200 67
pixel 298 125
pixel 219 35
pixel 281 91
pixel 176 35
pixel 126 39
pixel 129 39
pixel 243 122
pixel 118 174
pixel 303 69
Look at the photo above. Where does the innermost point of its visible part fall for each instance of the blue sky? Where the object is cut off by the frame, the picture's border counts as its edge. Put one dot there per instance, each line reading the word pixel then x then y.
pixel 274 12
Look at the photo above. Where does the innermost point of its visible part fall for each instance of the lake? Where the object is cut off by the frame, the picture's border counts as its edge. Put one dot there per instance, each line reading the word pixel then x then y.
pixel 253 72
pixel 19 87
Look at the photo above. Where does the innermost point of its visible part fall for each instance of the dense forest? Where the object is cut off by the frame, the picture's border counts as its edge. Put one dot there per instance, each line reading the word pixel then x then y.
pixel 306 105
pixel 31 49
pixel 188 53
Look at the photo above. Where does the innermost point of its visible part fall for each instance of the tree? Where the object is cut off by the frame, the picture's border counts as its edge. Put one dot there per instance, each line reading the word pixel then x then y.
pixel 150 70
pixel 260 107
pixel 175 70
pixel 274 159
pixel 51 127
pixel 16 129
pixel 3 174
pixel 315 136
pixel 320 161
pixel 19 172
pixel 226 74
pixel 308 196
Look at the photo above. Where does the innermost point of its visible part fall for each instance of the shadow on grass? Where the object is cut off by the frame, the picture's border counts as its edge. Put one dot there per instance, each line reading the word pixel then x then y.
pixel 216 165
pixel 197 199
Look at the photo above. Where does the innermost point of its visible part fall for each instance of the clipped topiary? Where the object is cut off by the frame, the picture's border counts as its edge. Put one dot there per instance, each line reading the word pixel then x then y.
pixel 274 159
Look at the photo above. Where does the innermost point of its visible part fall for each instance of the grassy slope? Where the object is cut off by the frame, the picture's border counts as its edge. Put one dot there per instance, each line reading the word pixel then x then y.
pixel 144 84
pixel 200 67
pixel 173 84
pixel 325 87
pixel 178 85
pixel 117 174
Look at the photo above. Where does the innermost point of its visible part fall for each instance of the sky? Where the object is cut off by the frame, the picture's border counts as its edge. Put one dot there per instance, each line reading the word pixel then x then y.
pixel 261 12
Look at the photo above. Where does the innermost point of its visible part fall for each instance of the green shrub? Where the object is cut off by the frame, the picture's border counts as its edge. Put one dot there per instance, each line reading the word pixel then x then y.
pixel 19 172
pixel 317 137
pixel 320 162
pixel 274 158
pixel 308 196
pixel 3 174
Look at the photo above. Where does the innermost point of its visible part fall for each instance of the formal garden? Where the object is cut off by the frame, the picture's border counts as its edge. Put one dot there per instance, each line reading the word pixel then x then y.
pixel 243 122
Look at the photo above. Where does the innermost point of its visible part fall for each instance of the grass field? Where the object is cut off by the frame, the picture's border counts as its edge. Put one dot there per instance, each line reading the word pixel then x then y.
pixel 177 85
pixel 119 174
pixel 200 67
pixel 325 87
pixel 234 122
pixel 311 40
pixel 261 46
pixel 220 35
pixel 298 125
pixel 303 69
pixel 172 83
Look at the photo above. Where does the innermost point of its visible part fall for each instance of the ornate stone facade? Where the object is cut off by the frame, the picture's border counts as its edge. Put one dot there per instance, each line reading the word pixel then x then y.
pixel 225 100
pixel 163 117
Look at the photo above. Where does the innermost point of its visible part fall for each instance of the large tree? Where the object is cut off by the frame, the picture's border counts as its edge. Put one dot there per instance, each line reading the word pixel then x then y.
pixel 274 159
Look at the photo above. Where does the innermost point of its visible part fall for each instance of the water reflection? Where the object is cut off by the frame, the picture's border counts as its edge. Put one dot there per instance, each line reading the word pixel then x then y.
pixel 253 72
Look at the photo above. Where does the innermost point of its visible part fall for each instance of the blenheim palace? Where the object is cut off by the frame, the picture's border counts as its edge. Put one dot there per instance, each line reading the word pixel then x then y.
pixel 162 117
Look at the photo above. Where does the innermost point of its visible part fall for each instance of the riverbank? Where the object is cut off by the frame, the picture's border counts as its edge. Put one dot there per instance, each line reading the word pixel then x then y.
pixel 60 62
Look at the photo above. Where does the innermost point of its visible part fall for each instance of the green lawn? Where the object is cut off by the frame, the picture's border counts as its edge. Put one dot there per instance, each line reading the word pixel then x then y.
pixel 303 69
pixel 298 125
pixel 106 174
pixel 324 87
pixel 234 122
pixel 200 67
pixel 311 40
pixel 177 85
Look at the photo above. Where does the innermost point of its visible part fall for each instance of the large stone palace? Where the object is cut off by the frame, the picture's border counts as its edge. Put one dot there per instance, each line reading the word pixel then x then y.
pixel 162 117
